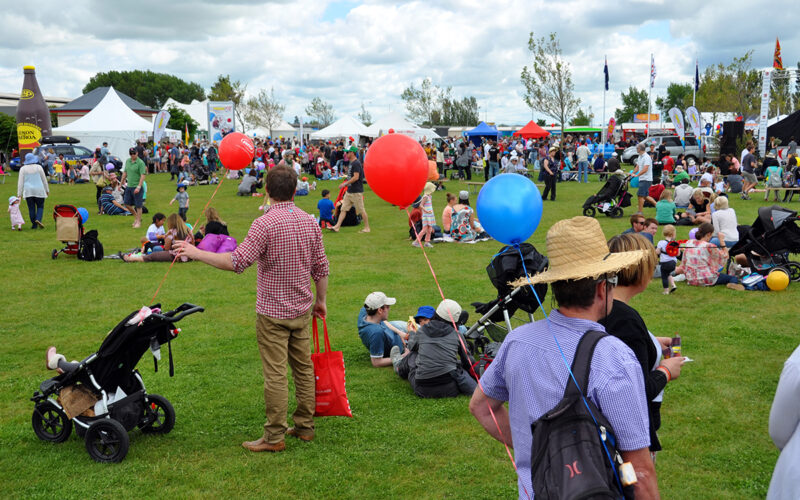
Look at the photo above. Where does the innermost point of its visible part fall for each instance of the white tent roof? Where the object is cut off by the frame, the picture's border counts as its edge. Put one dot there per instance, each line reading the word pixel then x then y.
pixel 400 126
pixel 346 126
pixel 198 110
pixel 110 114
pixel 284 128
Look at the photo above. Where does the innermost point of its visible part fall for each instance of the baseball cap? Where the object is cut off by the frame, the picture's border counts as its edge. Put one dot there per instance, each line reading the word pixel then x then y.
pixel 463 195
pixel 448 308
pixel 376 300
pixel 352 149
pixel 425 312
pixel 614 154
pixel 132 151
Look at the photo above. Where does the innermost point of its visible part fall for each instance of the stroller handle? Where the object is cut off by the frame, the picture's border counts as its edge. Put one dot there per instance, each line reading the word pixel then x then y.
pixel 181 311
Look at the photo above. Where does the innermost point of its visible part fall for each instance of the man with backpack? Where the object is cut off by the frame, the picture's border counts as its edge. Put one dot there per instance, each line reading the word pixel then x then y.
pixel 531 372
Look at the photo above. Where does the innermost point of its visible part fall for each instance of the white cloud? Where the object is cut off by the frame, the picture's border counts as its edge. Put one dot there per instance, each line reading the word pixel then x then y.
pixel 373 52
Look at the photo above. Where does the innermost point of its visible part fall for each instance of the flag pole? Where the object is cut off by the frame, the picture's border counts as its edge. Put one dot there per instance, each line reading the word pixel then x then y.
pixel 649 94
pixel 605 89
pixel 694 84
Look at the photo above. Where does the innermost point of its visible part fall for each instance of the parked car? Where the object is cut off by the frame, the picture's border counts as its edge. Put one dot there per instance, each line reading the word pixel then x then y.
pixel 15 164
pixel 673 143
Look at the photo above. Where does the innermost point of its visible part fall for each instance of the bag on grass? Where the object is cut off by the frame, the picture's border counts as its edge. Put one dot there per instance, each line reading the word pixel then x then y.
pixel 571 454
pixel 90 247
pixel 329 374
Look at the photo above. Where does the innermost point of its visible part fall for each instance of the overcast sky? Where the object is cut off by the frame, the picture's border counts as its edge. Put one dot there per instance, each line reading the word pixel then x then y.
pixel 349 52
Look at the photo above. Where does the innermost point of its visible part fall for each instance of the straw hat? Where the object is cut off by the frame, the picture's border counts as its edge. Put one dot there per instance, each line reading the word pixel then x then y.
pixel 430 188
pixel 577 249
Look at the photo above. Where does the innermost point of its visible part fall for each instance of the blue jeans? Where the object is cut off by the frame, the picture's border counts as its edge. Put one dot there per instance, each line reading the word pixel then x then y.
pixel 583 171
pixel 728 243
pixel 35 209
pixel 492 169
pixel 724 279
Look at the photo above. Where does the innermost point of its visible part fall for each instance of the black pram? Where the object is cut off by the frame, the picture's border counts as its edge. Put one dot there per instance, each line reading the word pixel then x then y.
pixel 611 198
pixel 485 336
pixel 105 396
pixel 769 241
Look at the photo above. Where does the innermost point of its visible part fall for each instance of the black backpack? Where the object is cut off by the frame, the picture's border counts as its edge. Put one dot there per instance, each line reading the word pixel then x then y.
pixel 569 459
pixel 90 247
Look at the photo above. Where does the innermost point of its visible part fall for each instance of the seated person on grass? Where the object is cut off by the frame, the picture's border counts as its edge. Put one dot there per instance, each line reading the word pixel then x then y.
pixel 109 205
pixel 435 364
pixel 423 316
pixel 377 334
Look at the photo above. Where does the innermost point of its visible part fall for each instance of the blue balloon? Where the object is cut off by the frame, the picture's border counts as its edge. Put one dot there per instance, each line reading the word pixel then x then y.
pixel 509 208
pixel 84 215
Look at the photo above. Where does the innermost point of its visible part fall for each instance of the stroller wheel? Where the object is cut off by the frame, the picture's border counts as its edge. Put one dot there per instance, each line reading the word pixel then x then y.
pixel 794 270
pixel 50 423
pixel 159 415
pixel 589 211
pixel 54 254
pixel 107 441
pixel 616 213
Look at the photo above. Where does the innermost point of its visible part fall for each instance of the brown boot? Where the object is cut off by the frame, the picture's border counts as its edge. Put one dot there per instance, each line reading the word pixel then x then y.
pixel 262 445
pixel 291 431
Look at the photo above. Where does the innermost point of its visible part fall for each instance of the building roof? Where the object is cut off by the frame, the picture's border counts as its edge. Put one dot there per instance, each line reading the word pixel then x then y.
pixel 88 101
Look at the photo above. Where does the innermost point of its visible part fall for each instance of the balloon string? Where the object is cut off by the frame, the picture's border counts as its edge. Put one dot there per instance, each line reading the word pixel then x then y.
pixel 463 345
pixel 163 279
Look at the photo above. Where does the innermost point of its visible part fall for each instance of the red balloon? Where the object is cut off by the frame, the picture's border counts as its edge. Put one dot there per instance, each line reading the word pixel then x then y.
pixel 236 151
pixel 396 168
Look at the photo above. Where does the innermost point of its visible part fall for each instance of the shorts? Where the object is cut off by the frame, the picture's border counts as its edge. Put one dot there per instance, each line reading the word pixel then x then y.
pixel 131 199
pixel 644 188
pixel 750 177
pixel 353 200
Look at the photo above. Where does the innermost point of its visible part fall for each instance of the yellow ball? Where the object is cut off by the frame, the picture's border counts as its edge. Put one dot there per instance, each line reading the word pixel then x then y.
pixel 777 279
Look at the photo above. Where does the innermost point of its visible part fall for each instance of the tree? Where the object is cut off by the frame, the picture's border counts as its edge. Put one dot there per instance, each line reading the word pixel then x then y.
pixel 226 90
pixel 732 88
pixel 420 102
pixel 548 82
pixel 635 101
pixel 780 99
pixel 679 95
pixel 456 112
pixel 179 119
pixel 364 116
pixel 321 111
pixel 581 119
pixel 431 105
pixel 264 110
pixel 541 122
pixel 149 88
pixel 8 133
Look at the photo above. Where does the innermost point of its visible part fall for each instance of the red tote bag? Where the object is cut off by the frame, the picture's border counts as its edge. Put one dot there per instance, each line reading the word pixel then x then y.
pixel 329 374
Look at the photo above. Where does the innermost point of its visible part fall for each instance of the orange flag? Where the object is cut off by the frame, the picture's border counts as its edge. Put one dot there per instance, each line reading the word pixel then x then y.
pixel 777 62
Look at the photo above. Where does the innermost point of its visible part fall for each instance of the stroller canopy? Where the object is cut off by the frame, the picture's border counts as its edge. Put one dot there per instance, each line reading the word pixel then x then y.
pixel 771 218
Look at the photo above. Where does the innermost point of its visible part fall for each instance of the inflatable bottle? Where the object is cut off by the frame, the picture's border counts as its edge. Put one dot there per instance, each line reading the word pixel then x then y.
pixel 33 115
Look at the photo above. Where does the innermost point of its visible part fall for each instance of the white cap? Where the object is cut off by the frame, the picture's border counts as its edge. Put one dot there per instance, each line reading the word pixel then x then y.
pixel 376 300
pixel 320 160
pixel 448 308
pixel 614 154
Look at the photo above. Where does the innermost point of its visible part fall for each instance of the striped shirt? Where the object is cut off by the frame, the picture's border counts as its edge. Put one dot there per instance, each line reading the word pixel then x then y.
pixel 531 375
pixel 287 244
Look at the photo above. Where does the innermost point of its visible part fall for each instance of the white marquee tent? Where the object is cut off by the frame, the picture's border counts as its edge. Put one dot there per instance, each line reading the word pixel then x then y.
pixel 400 126
pixel 110 121
pixel 346 126
pixel 197 110
pixel 282 129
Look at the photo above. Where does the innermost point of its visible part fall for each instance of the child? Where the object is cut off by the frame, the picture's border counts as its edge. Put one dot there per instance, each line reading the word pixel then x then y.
pixel 428 219
pixel 183 201
pixel 667 263
pixel 14 213
pixel 302 187
pixel 719 185
pixel 58 166
pixel 154 240
pixel 447 215
pixel 665 208
pixel 325 207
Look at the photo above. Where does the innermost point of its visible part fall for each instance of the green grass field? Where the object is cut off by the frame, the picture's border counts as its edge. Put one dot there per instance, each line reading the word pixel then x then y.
pixel 714 432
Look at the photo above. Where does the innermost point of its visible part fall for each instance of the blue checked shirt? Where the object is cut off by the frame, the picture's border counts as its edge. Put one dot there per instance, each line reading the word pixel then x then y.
pixel 530 374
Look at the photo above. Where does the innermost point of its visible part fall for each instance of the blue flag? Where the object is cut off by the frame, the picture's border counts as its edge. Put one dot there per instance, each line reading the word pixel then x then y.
pixel 696 75
pixel 605 71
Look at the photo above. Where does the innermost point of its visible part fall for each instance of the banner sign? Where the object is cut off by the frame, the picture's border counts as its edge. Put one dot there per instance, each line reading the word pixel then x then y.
pixel 221 119
pixel 677 119
pixel 642 118
pixel 695 120
pixel 160 124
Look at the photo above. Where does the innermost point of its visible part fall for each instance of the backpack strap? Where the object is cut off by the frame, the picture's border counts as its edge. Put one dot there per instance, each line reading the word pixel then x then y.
pixel 581 363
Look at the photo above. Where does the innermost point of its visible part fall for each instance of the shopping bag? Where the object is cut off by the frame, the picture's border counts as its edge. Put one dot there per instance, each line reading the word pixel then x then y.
pixel 331 397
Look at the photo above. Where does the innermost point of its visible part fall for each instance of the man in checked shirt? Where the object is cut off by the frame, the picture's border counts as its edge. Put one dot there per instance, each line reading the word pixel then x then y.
pixel 287 244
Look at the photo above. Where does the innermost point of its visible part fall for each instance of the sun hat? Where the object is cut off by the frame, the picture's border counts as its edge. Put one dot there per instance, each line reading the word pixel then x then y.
pixel 577 249
pixel 31 158
pixel 552 149
pixel 288 152
pixel 614 154
pixel 463 195
pixel 181 185
pixel 425 312
pixel 13 199
pixel 376 300
pixel 692 162
pixel 448 308
pixel 429 188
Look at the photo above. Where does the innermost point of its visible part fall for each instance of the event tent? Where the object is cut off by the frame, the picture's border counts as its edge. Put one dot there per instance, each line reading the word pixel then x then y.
pixel 110 121
pixel 532 131
pixel 346 126
pixel 787 128
pixel 482 130
pixel 197 110
pixel 283 129
pixel 400 126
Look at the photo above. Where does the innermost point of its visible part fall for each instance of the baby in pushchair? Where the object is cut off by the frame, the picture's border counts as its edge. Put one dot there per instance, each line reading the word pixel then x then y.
pixel 104 395
pixel 611 197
